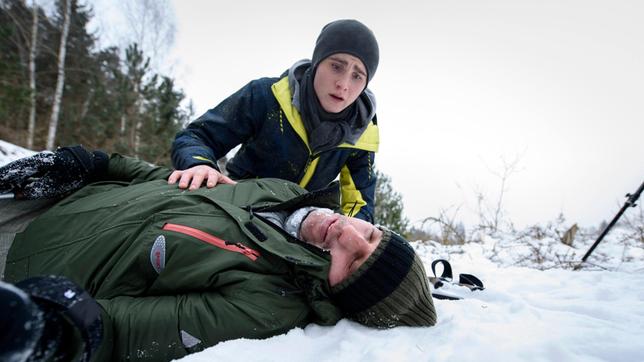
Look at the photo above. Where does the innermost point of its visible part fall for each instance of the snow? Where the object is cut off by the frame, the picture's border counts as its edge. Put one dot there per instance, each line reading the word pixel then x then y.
pixel 524 314
pixel 534 307
pixel 10 152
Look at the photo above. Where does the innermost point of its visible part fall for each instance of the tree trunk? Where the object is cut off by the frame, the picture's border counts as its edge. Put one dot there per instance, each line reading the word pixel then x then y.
pixel 77 130
pixel 60 83
pixel 122 129
pixel 86 105
pixel 137 138
pixel 32 77
pixel 138 126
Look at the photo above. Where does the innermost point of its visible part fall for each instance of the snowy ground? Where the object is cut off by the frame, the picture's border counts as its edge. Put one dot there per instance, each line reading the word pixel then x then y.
pixel 524 314
pixel 534 307
pixel 10 152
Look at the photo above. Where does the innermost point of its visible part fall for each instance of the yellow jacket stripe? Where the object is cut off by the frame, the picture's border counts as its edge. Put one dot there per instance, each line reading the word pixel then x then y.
pixel 352 200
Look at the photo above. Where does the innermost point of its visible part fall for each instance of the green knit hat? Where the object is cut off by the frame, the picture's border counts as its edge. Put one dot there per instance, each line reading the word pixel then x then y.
pixel 390 289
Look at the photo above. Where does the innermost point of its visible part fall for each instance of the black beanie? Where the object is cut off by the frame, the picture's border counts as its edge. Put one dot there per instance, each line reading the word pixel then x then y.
pixel 390 289
pixel 351 37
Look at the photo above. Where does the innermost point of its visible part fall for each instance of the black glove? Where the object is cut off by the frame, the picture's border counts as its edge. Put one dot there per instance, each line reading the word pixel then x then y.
pixel 49 175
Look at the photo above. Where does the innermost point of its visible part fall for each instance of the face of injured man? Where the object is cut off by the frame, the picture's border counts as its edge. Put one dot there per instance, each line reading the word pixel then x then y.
pixel 350 241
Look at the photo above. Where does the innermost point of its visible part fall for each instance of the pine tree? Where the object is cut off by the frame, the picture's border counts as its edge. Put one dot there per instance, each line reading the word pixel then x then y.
pixel 14 87
pixel 166 118
pixel 389 206
pixel 111 100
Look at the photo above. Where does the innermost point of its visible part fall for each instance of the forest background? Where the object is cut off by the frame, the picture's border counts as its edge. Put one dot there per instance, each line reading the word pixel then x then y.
pixel 59 87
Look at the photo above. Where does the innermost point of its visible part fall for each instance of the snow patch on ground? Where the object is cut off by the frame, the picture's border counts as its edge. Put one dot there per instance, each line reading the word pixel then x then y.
pixel 10 152
pixel 524 314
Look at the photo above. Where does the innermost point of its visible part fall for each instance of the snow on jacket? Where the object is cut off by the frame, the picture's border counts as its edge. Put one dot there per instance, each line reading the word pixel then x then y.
pixel 274 142
pixel 176 271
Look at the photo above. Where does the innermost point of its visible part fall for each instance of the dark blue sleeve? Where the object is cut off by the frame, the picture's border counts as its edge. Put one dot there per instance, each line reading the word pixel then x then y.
pixel 220 129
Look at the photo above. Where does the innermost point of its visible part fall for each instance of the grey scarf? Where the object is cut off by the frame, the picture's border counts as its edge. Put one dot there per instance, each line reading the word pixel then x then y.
pixel 327 130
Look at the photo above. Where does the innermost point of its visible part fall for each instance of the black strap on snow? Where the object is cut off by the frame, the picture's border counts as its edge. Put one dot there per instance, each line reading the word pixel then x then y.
pixel 66 297
pixel 470 281
pixel 445 297
pixel 447 269
pixel 466 280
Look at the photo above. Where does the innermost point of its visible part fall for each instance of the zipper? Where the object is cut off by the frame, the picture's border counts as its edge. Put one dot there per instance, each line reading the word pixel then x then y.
pixel 309 153
pixel 306 167
pixel 213 240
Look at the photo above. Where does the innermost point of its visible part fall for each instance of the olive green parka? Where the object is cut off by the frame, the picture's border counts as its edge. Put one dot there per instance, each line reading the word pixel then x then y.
pixel 177 271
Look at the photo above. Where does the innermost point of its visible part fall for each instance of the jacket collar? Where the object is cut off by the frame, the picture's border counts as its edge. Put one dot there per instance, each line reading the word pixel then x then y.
pixel 369 141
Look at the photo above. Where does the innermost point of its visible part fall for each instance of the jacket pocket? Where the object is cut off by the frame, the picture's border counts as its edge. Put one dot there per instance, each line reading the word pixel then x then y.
pixel 213 240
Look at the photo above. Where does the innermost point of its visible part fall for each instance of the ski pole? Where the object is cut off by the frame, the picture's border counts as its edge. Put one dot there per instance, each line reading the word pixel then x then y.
pixel 631 200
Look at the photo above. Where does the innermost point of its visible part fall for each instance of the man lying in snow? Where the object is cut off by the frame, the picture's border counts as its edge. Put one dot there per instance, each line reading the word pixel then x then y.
pixel 146 270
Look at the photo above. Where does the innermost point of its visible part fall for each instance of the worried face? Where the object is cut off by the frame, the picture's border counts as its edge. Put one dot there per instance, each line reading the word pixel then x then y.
pixel 339 80
pixel 350 241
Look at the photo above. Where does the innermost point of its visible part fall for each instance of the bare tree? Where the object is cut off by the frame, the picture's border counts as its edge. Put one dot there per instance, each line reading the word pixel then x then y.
pixel 451 231
pixel 60 82
pixel 151 24
pixel 151 27
pixel 32 75
pixel 491 217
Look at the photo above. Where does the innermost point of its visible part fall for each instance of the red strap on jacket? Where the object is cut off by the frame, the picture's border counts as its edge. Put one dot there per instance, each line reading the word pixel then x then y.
pixel 213 240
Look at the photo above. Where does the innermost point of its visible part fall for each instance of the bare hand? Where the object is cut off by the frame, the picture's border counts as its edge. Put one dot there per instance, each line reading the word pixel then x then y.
pixel 196 175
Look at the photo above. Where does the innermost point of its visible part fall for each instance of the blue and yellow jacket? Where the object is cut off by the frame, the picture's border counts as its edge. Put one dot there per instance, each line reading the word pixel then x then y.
pixel 274 143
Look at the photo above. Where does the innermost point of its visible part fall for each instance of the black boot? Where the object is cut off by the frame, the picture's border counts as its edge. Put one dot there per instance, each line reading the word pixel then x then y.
pixel 21 323
pixel 70 320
